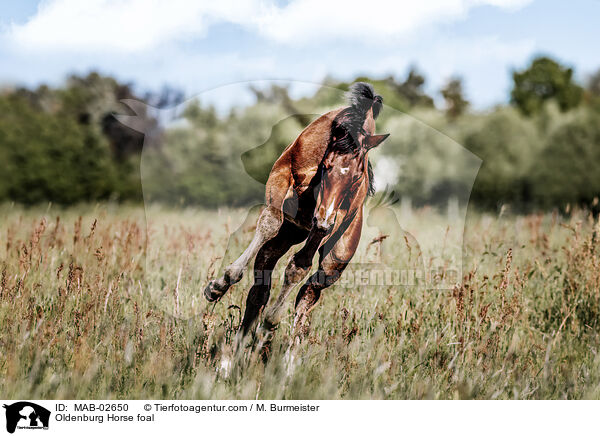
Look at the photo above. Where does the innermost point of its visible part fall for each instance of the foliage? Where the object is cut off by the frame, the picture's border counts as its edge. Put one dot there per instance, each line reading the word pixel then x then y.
pixel 412 89
pixel 545 79
pixel 432 167
pixel 509 147
pixel 52 157
pixel 594 84
pixel 202 162
pixel 455 101
pixel 593 91
pixel 567 171
pixel 64 145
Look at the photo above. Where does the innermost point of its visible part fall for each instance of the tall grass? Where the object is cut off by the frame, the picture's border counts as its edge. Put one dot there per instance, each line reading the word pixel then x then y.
pixel 79 321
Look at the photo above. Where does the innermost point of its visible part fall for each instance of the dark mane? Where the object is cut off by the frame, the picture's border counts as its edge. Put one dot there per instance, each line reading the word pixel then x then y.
pixel 348 122
pixel 344 131
pixel 371 190
pixel 362 97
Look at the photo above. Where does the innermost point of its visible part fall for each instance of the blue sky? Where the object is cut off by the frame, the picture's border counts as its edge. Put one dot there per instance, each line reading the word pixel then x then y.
pixel 195 46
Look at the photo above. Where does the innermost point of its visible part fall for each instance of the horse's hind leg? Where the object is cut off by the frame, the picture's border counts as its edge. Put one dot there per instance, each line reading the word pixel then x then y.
pixel 268 225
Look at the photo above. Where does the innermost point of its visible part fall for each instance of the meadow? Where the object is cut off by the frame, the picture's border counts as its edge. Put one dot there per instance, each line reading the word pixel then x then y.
pixel 90 309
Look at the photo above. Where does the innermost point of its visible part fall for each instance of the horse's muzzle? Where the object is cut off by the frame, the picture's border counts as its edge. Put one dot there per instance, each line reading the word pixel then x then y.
pixel 322 224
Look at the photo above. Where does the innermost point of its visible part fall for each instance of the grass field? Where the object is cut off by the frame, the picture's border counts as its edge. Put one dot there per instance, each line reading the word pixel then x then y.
pixel 88 309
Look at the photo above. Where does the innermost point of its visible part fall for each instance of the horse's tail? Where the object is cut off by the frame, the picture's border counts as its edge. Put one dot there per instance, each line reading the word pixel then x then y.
pixel 362 97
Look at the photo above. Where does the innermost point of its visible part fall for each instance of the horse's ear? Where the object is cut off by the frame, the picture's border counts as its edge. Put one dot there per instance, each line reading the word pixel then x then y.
pixel 374 140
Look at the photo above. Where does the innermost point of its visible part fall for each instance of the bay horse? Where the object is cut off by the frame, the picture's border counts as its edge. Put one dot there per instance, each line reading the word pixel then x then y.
pixel 315 193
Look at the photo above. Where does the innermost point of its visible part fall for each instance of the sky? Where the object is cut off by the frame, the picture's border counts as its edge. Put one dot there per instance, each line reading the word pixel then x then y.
pixel 199 45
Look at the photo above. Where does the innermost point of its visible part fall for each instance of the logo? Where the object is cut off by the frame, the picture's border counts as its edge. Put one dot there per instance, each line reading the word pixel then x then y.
pixel 26 415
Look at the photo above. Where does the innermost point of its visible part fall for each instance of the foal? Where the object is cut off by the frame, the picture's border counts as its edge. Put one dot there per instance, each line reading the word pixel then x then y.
pixel 315 193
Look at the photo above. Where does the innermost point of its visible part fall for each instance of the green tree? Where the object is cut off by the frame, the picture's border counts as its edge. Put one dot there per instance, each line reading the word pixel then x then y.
pixel 200 161
pixel 545 79
pixel 592 91
pixel 594 84
pixel 51 157
pixel 455 101
pixel 412 89
pixel 568 167
pixel 508 146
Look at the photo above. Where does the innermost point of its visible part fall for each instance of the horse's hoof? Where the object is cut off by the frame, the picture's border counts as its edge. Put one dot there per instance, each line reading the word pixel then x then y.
pixel 210 293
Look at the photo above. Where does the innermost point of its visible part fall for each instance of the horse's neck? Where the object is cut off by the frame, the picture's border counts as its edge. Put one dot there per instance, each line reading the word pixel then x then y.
pixel 309 149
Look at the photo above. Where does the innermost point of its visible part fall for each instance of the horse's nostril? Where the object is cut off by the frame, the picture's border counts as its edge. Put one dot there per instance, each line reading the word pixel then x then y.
pixel 321 224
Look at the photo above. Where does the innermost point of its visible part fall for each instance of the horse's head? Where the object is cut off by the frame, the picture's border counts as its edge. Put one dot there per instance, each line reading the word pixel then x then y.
pixel 344 169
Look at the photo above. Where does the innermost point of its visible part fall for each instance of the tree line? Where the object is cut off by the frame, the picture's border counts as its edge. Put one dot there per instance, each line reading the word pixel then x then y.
pixel 64 145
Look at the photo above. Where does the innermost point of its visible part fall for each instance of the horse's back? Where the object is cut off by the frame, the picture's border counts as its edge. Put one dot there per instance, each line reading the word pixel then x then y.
pixel 299 162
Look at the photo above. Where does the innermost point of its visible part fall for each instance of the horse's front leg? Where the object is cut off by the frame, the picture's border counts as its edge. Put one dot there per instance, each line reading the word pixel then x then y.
pixel 331 265
pixel 332 262
pixel 296 270
pixel 267 226
pixel 264 264
pixel 309 294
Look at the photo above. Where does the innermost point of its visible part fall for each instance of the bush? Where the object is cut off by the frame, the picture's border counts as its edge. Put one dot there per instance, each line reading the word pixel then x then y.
pixel 508 146
pixel 568 167
pixel 48 157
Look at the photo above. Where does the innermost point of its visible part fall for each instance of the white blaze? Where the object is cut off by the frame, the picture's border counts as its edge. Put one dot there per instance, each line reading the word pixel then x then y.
pixel 329 210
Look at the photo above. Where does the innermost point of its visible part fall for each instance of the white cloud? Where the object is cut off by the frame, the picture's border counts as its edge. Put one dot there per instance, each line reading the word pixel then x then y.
pixel 123 25
pixel 448 56
pixel 375 20
pixel 142 25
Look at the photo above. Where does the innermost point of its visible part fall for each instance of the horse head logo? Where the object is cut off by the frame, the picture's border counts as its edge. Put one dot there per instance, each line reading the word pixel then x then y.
pixel 25 414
